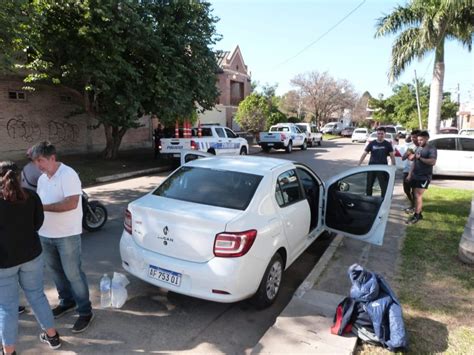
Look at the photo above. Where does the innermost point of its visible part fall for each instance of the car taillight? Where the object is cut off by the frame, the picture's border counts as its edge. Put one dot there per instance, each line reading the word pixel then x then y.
pixel 194 145
pixel 127 223
pixel 232 245
pixel 282 136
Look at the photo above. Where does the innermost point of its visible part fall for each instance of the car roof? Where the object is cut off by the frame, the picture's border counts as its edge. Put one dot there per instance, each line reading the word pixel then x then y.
pixel 245 164
pixel 451 135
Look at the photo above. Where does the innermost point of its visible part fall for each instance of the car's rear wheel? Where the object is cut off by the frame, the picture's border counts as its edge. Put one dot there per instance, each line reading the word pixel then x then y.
pixel 266 149
pixel 270 285
pixel 212 151
pixel 289 147
pixel 319 142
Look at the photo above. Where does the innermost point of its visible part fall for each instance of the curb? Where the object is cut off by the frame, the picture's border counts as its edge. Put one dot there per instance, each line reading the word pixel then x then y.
pixel 318 269
pixel 133 173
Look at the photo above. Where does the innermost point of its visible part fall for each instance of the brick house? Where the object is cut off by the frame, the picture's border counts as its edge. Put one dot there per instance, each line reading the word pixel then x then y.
pixel 27 117
pixel 234 83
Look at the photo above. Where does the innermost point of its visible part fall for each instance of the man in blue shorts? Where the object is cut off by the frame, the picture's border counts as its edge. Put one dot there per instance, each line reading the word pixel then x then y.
pixel 379 150
pixel 421 173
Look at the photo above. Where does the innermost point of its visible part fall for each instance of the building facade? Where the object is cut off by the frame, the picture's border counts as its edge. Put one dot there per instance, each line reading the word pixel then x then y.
pixel 50 113
pixel 234 83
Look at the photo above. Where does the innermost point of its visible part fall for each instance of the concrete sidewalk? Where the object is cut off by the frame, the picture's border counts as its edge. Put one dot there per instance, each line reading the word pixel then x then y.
pixel 304 325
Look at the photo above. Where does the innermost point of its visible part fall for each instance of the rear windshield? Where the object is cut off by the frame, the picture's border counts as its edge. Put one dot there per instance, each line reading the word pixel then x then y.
pixel 302 127
pixel 360 131
pixel 279 129
pixel 389 129
pixel 228 189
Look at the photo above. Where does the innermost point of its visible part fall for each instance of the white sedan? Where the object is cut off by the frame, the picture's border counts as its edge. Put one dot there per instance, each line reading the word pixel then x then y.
pixel 225 228
pixel 455 154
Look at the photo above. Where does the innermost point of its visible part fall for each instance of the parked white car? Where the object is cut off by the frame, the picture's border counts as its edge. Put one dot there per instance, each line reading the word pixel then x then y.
pixel 283 136
pixel 332 128
pixel 313 136
pixel 225 228
pixel 455 154
pixel 360 135
pixel 216 140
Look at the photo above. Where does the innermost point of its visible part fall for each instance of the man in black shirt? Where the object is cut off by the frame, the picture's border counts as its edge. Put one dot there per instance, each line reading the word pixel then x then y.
pixel 379 150
pixel 421 173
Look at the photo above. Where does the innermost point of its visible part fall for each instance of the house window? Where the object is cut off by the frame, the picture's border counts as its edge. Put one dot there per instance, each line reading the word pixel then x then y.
pixel 17 95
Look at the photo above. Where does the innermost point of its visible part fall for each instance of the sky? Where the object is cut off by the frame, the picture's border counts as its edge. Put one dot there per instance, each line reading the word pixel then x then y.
pixel 273 34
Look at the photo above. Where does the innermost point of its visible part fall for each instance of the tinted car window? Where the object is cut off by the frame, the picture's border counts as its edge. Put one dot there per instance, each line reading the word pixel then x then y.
pixel 467 144
pixel 288 188
pixel 444 143
pixel 279 129
pixel 302 128
pixel 228 189
pixel 230 134
pixel 206 132
pixel 220 132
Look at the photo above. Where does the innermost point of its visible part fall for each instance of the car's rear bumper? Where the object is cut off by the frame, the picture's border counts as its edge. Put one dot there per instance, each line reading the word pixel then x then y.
pixel 240 277
pixel 274 145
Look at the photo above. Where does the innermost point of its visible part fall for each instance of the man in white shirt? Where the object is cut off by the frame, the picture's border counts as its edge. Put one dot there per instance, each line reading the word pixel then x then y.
pixel 60 191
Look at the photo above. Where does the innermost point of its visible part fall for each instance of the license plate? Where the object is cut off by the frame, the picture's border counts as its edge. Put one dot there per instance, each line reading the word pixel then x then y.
pixel 270 144
pixel 176 155
pixel 170 277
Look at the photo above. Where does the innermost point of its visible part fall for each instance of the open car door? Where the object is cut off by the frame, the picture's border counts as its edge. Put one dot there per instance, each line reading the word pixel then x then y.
pixel 357 202
pixel 190 155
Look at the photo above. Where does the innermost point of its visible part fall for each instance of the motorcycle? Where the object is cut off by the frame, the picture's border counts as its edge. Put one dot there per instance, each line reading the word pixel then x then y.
pixel 94 214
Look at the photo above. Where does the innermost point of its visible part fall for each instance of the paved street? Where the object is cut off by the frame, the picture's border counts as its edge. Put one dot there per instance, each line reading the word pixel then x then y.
pixel 155 320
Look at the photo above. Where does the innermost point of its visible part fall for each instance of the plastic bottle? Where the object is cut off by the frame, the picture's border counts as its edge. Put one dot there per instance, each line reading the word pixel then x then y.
pixel 105 292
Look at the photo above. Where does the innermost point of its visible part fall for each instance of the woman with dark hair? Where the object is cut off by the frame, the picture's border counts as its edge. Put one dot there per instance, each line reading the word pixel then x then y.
pixel 21 216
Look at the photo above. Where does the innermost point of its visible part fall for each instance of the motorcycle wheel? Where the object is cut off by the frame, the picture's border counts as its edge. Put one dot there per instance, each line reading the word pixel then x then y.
pixel 93 222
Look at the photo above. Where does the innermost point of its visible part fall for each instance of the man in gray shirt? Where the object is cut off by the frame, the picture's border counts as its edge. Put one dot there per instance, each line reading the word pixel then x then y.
pixel 421 173
pixel 30 174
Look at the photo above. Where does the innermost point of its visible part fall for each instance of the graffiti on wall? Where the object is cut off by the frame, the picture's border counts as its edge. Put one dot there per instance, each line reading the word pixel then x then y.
pixel 63 132
pixel 19 128
pixel 29 131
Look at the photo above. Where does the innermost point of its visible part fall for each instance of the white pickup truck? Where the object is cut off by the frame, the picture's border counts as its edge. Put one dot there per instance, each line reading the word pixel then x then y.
pixel 283 136
pixel 215 140
pixel 313 136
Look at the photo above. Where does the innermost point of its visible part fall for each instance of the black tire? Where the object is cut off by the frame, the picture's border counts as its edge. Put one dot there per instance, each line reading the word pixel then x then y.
pixel 304 146
pixel 212 151
pixel 271 283
pixel 266 149
pixel 289 147
pixel 93 223
pixel 311 143
pixel 319 143
pixel 243 151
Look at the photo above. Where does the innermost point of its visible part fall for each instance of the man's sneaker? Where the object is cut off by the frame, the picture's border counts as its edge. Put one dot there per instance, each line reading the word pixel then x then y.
pixel 60 310
pixel 82 323
pixel 409 210
pixel 415 218
pixel 54 342
pixel 21 309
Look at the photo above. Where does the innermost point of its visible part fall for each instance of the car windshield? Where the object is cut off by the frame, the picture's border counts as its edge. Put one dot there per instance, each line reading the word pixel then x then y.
pixel 390 129
pixel 220 188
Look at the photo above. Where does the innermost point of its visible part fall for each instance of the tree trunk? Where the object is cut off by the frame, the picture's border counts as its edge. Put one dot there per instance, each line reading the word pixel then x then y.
pixel 113 136
pixel 436 91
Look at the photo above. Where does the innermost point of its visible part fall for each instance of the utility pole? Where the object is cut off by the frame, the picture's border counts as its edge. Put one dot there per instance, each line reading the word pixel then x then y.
pixel 456 123
pixel 418 102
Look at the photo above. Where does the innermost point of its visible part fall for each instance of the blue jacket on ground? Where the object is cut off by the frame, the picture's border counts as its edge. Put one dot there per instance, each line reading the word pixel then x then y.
pixel 381 304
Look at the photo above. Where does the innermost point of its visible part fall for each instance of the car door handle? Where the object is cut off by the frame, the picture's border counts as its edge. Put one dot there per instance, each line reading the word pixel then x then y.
pixel 350 204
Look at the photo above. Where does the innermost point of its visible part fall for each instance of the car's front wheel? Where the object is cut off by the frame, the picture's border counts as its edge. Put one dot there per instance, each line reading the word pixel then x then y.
pixel 289 147
pixel 270 285
pixel 304 146
pixel 243 151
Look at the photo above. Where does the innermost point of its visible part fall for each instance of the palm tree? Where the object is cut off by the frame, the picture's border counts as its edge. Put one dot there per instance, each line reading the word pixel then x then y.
pixel 425 25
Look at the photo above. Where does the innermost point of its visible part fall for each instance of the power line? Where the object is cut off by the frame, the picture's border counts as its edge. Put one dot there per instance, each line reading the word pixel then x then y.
pixel 322 36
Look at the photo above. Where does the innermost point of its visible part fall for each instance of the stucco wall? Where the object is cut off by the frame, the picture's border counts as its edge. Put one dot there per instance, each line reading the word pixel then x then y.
pixel 44 115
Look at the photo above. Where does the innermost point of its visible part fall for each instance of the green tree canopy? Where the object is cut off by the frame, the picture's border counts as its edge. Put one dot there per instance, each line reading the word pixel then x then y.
pixel 401 108
pixel 423 26
pixel 126 58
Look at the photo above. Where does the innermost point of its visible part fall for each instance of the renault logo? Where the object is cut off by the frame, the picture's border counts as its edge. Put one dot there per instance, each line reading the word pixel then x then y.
pixel 165 230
